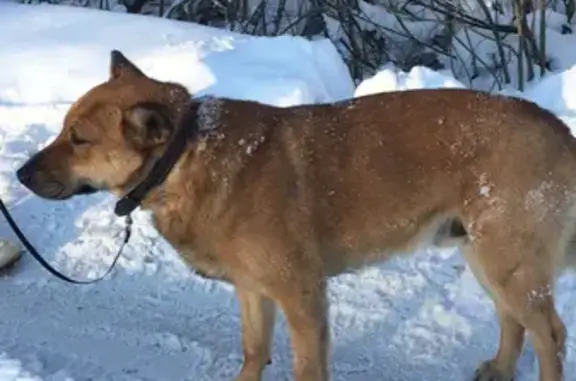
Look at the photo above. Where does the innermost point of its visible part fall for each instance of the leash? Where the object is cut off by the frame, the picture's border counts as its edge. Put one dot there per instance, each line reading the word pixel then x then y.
pixel 46 265
pixel 126 205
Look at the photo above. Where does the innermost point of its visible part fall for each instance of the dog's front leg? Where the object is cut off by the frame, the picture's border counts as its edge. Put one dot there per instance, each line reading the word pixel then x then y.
pixel 306 310
pixel 258 313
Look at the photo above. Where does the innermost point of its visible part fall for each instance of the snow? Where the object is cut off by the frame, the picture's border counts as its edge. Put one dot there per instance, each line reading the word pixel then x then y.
pixel 418 318
pixel 199 57
pixel 473 42
pixel 560 84
pixel 11 370
pixel 392 79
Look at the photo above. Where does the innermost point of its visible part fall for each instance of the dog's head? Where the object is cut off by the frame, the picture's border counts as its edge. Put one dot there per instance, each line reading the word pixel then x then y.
pixel 107 136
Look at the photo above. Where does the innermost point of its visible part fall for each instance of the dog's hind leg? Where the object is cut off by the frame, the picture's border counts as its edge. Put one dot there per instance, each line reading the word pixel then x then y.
pixel 258 314
pixel 502 367
pixel 515 262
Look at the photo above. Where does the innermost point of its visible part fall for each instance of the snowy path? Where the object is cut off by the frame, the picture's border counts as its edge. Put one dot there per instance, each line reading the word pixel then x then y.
pixel 416 317
pixel 412 319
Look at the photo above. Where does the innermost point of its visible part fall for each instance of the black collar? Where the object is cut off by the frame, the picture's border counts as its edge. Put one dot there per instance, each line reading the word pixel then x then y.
pixel 185 128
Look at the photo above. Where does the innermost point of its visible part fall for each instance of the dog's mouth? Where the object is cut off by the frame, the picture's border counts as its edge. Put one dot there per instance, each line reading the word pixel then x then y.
pixel 85 190
pixel 55 190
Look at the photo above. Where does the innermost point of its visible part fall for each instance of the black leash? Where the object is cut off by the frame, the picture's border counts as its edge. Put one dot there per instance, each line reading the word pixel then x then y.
pixel 46 265
pixel 126 205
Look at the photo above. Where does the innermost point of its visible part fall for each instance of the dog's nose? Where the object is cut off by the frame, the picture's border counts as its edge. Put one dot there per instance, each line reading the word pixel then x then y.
pixel 24 174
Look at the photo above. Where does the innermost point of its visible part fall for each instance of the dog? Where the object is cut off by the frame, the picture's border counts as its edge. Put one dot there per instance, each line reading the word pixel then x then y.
pixel 277 200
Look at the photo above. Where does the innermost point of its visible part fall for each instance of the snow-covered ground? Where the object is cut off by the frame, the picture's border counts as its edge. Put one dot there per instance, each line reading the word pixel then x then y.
pixel 415 319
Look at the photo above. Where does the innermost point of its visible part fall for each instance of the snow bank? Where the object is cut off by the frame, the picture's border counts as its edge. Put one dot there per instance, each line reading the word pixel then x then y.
pixel 556 92
pixel 65 42
pixel 392 79
pixel 282 70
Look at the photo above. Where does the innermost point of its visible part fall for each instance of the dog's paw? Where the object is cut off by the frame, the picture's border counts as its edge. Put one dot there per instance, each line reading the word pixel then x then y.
pixel 488 372
pixel 248 377
pixel 252 371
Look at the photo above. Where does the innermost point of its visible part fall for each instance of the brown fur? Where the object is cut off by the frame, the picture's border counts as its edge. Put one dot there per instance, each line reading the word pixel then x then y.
pixel 275 200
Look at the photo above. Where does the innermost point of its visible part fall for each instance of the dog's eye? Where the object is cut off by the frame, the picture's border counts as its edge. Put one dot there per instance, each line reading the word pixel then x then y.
pixel 77 140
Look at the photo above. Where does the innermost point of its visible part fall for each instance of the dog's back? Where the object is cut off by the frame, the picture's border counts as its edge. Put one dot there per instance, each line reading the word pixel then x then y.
pixel 380 174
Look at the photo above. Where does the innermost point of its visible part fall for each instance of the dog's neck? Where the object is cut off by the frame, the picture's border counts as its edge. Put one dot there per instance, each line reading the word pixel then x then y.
pixel 158 168
pixel 196 194
pixel 181 200
pixel 202 118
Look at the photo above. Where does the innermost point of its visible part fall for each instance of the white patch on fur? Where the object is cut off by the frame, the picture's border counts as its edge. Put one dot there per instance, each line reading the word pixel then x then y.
pixel 485 185
pixel 253 145
pixel 209 113
pixel 535 199
pixel 540 293
pixel 495 207
pixel 485 191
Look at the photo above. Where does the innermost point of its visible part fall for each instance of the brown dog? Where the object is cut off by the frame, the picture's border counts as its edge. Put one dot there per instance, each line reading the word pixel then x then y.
pixel 275 200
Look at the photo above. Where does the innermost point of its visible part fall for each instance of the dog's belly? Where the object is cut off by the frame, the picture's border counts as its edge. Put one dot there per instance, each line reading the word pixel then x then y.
pixel 361 246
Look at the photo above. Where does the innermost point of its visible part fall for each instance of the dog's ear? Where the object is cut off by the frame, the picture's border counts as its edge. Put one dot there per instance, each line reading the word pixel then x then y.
pixel 120 66
pixel 147 125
